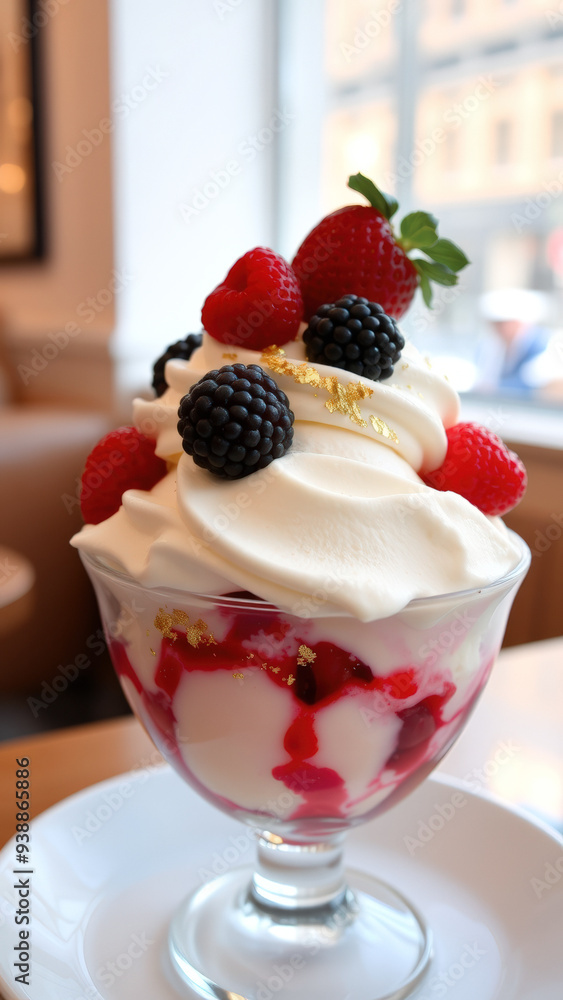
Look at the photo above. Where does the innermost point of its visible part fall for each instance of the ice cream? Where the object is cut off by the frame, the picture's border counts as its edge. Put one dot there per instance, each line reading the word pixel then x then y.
pixel 333 705
pixel 305 642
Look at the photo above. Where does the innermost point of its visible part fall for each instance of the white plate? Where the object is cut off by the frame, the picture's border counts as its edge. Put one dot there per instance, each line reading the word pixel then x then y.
pixel 112 863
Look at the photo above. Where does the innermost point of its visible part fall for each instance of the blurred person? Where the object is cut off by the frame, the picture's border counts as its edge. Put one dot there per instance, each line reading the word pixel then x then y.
pixel 510 360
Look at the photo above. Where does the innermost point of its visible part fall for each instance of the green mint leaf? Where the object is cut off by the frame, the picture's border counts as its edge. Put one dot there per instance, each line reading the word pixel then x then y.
pixel 435 272
pixel 384 203
pixel 416 221
pixel 447 252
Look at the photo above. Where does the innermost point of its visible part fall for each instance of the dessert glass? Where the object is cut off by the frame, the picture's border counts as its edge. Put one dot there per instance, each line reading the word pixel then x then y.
pixel 301 727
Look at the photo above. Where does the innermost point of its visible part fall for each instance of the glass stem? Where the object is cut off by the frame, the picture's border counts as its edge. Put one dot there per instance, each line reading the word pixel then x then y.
pixel 292 877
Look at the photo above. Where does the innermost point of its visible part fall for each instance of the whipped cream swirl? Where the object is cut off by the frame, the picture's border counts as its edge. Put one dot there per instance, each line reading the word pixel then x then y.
pixel 340 525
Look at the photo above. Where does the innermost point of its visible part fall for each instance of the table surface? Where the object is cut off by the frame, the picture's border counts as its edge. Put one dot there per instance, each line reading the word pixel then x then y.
pixel 512 746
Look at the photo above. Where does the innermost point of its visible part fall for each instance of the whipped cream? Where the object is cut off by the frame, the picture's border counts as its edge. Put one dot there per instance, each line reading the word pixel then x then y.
pixel 340 525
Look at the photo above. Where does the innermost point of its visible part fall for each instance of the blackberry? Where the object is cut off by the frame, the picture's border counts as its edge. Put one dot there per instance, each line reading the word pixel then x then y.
pixel 235 421
pixel 182 349
pixel 356 335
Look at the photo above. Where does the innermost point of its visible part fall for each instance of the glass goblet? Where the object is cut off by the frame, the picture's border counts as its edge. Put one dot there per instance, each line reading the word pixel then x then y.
pixel 301 728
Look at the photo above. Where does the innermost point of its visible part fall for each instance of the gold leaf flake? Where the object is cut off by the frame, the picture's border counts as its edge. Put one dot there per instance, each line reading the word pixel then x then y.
pixel 267 666
pixel 195 634
pixel 306 655
pixel 404 367
pixel 291 680
pixel 346 399
pixel 163 622
pixel 272 350
pixel 303 373
pixel 427 361
pixel 344 396
pixel 152 651
pixel 238 677
pixel 230 357
pixel 380 427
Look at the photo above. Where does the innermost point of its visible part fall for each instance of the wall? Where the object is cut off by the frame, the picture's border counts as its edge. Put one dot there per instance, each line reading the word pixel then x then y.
pixel 39 298
pixel 538 608
pixel 183 126
pixel 194 160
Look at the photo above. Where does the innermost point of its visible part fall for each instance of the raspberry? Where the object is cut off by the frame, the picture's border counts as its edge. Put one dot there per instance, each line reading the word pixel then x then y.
pixel 330 670
pixel 480 467
pixel 123 460
pixel 182 349
pixel 235 421
pixel 356 335
pixel 258 304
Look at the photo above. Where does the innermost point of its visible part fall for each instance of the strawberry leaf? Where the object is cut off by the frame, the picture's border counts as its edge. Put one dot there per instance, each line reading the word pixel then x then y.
pixel 447 252
pixel 422 239
pixel 435 272
pixel 413 223
pixel 418 231
pixel 384 203
pixel 426 289
pixel 430 271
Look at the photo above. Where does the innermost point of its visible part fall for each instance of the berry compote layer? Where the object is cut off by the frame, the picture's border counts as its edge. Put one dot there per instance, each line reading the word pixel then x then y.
pixel 301 725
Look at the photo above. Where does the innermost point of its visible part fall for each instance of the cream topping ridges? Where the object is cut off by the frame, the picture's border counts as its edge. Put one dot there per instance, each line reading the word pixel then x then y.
pixel 413 408
pixel 341 524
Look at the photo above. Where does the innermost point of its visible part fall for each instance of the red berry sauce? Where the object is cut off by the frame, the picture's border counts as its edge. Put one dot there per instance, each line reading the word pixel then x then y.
pixel 316 676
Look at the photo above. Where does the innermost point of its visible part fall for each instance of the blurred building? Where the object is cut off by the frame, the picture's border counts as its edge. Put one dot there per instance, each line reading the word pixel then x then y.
pixel 471 125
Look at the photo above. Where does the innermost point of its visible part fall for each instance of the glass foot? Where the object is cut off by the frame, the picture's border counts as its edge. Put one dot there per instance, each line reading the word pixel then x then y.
pixel 368 943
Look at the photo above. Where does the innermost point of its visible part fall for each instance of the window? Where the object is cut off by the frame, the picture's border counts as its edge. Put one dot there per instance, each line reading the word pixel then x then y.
pixel 465 121
pixel 503 142
pixel 451 152
pixel 557 134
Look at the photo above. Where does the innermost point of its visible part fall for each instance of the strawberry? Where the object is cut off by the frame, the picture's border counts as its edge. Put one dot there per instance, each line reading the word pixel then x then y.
pixel 480 467
pixel 258 304
pixel 123 460
pixel 355 250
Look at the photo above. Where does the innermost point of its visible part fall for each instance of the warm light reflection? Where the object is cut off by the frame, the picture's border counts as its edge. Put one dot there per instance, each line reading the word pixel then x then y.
pixel 12 178
pixel 459 371
pixel 362 151
pixel 20 112
pixel 533 779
